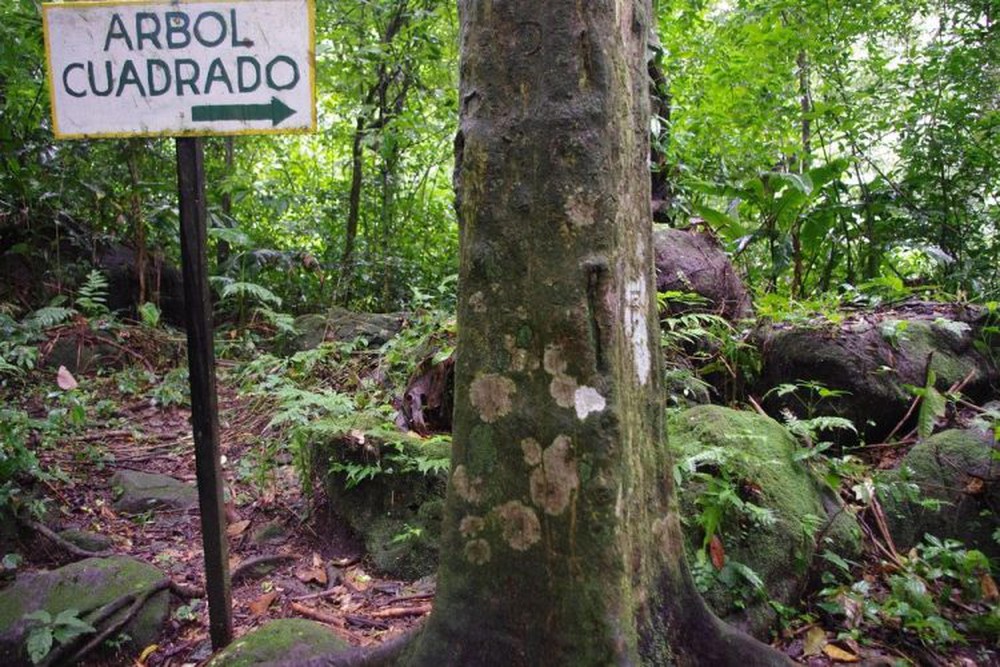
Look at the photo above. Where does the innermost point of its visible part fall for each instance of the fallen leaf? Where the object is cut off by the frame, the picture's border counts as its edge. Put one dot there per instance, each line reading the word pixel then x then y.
pixel 146 652
pixel 317 560
pixel 974 486
pixel 989 586
pixel 307 574
pixel 815 641
pixel 260 605
pixel 717 552
pixel 838 654
pixel 236 529
pixel 65 379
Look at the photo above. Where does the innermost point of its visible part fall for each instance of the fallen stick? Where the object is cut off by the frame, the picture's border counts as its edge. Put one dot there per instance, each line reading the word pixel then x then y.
pixel 401 612
pixel 318 615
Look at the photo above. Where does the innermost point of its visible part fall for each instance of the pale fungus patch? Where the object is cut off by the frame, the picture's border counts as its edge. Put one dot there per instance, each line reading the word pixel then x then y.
pixel 469 490
pixel 490 395
pixel 521 528
pixel 636 311
pixel 554 482
pixel 478 552
pixel 588 400
pixel 532 451
pixel 471 525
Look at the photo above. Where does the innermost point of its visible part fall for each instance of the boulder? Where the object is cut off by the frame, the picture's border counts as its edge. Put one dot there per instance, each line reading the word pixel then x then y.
pixel 689 260
pixel 287 641
pixel 87 540
pixel 868 359
pixel 164 284
pixel 339 324
pixel 86 586
pixel 142 491
pixel 947 486
pixel 395 508
pixel 727 459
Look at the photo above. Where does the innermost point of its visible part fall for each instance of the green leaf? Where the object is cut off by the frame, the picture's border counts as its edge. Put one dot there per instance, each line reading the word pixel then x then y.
pixel 39 643
pixel 932 407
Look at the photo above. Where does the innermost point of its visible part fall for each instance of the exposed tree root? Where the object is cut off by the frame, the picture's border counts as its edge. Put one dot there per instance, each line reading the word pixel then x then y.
pixel 60 542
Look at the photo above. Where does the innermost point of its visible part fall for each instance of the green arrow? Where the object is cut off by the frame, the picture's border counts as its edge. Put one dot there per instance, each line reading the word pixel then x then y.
pixel 276 111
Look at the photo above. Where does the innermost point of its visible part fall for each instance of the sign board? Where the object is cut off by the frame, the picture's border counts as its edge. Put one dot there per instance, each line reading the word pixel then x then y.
pixel 180 67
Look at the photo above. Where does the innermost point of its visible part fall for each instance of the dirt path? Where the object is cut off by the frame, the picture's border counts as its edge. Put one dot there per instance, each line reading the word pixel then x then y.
pixel 307 565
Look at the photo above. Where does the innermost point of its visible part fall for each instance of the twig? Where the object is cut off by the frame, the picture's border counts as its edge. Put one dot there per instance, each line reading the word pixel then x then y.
pixel 330 592
pixel 318 615
pixel 63 543
pixel 412 598
pixel 757 406
pixel 401 612
pixel 363 622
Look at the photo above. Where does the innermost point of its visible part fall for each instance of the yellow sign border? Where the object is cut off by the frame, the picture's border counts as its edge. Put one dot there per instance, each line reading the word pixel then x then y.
pixel 58 6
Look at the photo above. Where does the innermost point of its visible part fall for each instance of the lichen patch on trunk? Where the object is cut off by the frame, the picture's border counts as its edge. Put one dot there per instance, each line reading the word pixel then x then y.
pixel 554 482
pixel 491 394
pixel 478 552
pixel 532 451
pixel 468 489
pixel 521 528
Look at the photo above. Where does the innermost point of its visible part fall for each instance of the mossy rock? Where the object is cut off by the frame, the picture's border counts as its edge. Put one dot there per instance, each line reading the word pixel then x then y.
pixel 755 454
pixel 398 511
pixel 87 586
pixel 870 359
pixel 340 324
pixel 947 486
pixel 287 641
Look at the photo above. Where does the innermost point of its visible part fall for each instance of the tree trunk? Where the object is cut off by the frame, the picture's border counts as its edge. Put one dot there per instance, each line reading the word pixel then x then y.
pixel 561 542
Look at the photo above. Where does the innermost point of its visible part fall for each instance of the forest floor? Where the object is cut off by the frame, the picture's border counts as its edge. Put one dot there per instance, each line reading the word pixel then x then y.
pixel 290 556
pixel 309 566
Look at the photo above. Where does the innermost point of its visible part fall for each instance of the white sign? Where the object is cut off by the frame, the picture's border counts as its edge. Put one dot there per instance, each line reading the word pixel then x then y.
pixel 181 67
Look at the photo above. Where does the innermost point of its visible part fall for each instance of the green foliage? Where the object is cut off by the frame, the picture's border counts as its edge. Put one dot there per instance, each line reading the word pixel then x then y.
pixel 924 600
pixel 47 631
pixel 92 295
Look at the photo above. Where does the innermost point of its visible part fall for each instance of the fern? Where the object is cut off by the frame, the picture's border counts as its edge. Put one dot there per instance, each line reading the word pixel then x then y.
pixel 240 289
pixel 92 296
pixel 47 317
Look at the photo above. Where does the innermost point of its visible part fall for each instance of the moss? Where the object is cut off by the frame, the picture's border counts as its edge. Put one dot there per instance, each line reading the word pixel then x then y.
pixel 757 454
pixel 949 363
pixel 289 640
pixel 87 586
pixel 957 469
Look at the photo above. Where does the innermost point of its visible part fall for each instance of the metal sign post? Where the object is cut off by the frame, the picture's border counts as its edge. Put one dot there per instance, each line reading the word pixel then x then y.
pixel 204 403
pixel 186 68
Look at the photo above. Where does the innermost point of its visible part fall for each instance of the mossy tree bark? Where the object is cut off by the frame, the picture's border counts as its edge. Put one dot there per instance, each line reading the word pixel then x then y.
pixel 561 541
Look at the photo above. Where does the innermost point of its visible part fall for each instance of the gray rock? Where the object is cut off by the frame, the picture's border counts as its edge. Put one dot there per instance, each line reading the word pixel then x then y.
pixel 87 540
pixel 691 261
pixel 339 324
pixel 87 586
pixel 869 359
pixel 143 491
